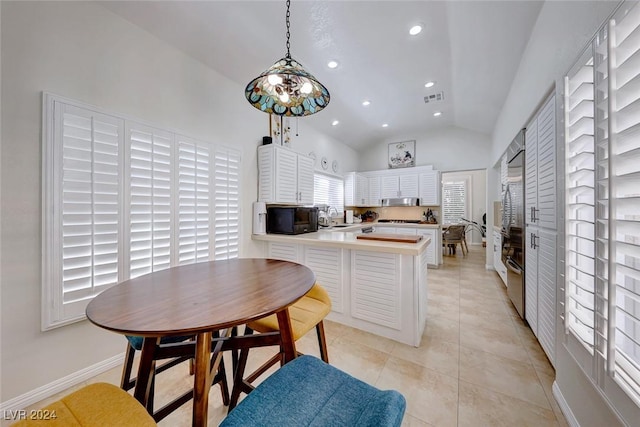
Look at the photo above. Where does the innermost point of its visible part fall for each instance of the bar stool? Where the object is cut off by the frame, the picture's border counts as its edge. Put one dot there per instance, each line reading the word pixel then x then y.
pixel 127 383
pixel 305 314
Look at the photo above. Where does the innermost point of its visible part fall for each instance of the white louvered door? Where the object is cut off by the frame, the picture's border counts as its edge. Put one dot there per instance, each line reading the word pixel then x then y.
pixel 546 162
pixel 286 174
pixel 194 168
pixel 547 291
pixel 374 191
pixel 327 265
pixel 531 171
pixel 88 207
pixel 531 278
pixel 375 288
pixel 149 162
pixel 429 188
pixel 226 204
pixel 305 179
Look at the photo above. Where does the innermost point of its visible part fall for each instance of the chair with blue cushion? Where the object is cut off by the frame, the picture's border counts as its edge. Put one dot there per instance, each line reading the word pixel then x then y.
pixel 127 383
pixel 310 392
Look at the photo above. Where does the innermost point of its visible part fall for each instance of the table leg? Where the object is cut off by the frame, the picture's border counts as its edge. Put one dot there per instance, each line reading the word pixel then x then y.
pixel 202 380
pixel 288 345
pixel 146 370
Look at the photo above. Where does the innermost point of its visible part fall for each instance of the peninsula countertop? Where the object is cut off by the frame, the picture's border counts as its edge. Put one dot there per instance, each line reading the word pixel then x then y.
pixel 346 237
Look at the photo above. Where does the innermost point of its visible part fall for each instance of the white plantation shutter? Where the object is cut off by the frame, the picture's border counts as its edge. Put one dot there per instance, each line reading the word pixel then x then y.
pixel 81 208
pixel 328 190
pixel 624 187
pixel 580 201
pixel 122 199
pixel 602 275
pixel 150 163
pixel 454 201
pixel 193 201
pixel 226 213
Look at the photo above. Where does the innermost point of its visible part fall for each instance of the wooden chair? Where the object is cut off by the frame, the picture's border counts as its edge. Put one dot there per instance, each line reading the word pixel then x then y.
pixel 305 314
pixel 127 383
pixel 453 236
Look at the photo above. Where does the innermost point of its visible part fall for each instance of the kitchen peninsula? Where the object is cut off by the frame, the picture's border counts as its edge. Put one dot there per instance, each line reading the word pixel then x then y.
pixel 379 287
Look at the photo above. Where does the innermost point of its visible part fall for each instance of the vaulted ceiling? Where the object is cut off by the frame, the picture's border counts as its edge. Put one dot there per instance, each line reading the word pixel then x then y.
pixel 471 49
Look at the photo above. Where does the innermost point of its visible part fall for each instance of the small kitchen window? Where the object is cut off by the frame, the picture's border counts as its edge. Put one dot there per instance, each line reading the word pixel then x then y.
pixel 328 190
pixel 454 201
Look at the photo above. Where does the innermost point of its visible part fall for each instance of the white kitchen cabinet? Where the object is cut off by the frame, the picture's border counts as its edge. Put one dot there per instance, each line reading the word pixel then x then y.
pixel 430 188
pixel 497 256
pixel 394 186
pixel 540 168
pixel 284 251
pixel 356 189
pixel 540 286
pixel 284 176
pixel 375 191
pixel 434 250
pixel 406 230
pixel 328 264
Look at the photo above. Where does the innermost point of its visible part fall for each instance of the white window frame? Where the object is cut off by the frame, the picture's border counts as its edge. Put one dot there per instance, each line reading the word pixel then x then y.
pixel 339 181
pixel 457 179
pixel 227 212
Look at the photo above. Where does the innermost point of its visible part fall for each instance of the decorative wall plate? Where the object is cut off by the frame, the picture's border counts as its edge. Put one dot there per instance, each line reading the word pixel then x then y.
pixel 324 163
pixel 334 166
pixel 312 155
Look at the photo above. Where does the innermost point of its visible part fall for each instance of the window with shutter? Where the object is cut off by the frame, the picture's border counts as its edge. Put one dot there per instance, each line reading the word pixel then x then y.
pixel 602 260
pixel 123 199
pixel 328 190
pixel 193 201
pixel 227 204
pixel 454 201
pixel 150 163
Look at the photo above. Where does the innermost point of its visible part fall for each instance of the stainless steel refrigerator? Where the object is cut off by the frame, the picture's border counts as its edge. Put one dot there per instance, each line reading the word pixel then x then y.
pixel 513 223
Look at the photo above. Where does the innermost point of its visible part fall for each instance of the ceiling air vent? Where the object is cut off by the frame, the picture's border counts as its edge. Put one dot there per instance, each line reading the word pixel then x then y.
pixel 438 96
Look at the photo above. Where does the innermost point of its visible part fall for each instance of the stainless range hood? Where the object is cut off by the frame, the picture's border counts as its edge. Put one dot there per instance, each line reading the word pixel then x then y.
pixel 402 201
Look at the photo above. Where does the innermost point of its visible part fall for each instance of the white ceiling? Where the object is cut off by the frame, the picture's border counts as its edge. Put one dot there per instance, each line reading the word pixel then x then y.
pixel 470 48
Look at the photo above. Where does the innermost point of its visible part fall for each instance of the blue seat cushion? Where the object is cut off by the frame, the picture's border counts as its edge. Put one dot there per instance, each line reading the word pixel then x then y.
pixel 136 342
pixel 309 392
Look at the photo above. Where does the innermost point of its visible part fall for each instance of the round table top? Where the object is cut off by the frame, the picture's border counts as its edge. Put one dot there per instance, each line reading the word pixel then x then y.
pixel 200 297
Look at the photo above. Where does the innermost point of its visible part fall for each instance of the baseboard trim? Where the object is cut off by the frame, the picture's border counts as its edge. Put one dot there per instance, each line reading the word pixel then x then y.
pixel 564 406
pixel 48 390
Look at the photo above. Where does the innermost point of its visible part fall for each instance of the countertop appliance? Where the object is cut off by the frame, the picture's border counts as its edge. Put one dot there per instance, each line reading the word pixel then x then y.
pixel 259 218
pixel 292 219
pixel 513 223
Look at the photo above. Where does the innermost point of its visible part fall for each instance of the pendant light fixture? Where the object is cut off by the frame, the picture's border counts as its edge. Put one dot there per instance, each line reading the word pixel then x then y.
pixel 286 88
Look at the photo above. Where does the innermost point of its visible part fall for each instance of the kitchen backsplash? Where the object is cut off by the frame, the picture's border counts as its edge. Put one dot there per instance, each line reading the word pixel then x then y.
pixel 409 212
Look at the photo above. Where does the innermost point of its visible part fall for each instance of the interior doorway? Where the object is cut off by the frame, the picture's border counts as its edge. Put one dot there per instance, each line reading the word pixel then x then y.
pixel 464 197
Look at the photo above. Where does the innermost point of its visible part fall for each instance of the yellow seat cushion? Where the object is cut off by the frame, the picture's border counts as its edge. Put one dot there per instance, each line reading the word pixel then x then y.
pixel 96 405
pixel 305 314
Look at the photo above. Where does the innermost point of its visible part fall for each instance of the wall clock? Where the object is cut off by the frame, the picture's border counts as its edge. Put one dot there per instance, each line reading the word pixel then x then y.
pixel 324 163
pixel 334 166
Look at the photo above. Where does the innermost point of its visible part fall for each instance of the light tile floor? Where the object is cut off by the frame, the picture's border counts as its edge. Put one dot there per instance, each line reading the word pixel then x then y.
pixel 478 363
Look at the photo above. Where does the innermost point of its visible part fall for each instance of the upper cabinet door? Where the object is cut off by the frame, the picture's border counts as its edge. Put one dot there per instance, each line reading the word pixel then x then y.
pixel 375 191
pixel 390 186
pixel 546 213
pixel 530 171
pixel 286 176
pixel 430 188
pixel 305 180
pixel 408 185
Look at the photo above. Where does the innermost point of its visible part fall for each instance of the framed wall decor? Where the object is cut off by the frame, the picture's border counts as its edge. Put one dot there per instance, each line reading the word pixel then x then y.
pixel 402 154
pixel 280 130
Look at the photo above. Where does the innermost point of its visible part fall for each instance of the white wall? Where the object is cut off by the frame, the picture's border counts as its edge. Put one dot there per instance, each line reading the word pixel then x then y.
pixel 84 52
pixel 447 149
pixel 559 36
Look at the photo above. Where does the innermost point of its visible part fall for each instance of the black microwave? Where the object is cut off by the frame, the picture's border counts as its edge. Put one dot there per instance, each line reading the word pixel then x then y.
pixel 291 219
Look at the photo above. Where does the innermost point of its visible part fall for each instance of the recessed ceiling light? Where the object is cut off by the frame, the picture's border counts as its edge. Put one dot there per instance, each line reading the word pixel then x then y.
pixel 429 84
pixel 335 123
pixel 437 114
pixel 332 64
pixel 365 103
pixel 415 30
pixel 386 125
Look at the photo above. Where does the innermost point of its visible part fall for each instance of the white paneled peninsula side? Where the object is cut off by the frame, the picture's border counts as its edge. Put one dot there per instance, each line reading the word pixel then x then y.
pixel 379 287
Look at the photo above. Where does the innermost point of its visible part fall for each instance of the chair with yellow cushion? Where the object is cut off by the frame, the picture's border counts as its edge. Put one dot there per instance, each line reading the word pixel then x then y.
pixel 95 405
pixel 307 313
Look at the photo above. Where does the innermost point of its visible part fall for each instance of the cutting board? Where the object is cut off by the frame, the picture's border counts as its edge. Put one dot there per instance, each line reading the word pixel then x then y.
pixel 400 238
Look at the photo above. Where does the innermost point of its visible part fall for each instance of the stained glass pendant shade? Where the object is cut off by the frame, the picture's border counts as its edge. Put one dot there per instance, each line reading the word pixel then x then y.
pixel 286 88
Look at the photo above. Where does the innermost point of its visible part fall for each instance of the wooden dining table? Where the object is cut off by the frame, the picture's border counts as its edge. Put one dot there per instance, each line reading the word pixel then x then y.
pixel 201 299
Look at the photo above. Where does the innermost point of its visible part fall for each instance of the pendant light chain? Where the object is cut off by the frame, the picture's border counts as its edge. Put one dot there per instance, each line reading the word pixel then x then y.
pixel 288 27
